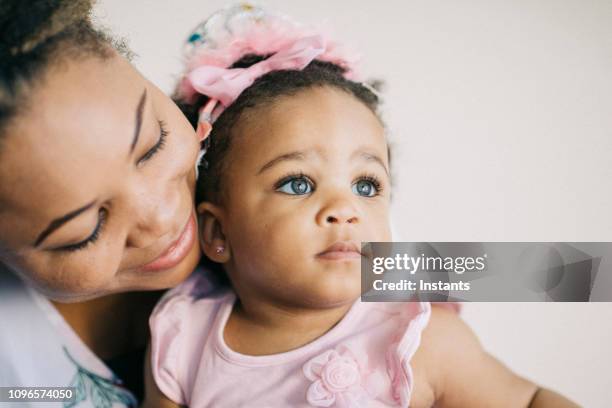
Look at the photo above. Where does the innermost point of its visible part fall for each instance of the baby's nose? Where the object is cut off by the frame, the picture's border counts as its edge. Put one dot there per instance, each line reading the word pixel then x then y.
pixel 338 211
pixel 332 219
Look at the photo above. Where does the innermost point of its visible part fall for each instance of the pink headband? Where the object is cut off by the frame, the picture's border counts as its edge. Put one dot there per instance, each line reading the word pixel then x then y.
pixel 226 84
pixel 230 34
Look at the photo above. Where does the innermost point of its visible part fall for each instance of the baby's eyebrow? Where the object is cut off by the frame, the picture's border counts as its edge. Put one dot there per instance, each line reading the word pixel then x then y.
pixel 296 155
pixel 367 156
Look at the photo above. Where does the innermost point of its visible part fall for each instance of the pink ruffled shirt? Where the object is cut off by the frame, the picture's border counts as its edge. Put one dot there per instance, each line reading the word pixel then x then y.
pixel 363 361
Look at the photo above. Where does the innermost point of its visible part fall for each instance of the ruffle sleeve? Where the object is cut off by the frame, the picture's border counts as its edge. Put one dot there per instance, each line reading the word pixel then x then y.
pixel 403 348
pixel 167 333
pixel 169 324
pixel 416 317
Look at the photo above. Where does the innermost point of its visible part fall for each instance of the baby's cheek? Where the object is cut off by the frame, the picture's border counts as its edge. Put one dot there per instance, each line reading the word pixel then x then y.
pixel 385 231
pixel 377 227
pixel 279 245
pixel 274 242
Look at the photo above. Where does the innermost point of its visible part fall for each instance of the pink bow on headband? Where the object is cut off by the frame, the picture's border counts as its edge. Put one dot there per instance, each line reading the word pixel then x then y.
pixel 226 84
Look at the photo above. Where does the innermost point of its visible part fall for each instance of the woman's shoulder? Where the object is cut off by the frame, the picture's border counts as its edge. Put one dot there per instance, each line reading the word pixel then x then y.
pixel 32 331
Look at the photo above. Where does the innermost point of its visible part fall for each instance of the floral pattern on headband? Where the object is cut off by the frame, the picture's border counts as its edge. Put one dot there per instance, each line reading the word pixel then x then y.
pixel 234 32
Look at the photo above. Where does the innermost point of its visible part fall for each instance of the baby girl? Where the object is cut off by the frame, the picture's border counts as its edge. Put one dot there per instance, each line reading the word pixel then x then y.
pixel 295 176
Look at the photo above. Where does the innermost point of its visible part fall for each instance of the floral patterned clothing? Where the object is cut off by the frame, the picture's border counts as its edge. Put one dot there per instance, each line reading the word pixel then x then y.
pixel 363 361
pixel 39 349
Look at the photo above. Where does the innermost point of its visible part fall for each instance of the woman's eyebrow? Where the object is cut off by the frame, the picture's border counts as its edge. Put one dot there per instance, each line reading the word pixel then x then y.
pixel 58 222
pixel 139 110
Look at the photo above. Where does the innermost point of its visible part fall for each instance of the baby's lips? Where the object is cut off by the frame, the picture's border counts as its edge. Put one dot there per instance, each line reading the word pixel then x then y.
pixel 342 246
pixel 366 250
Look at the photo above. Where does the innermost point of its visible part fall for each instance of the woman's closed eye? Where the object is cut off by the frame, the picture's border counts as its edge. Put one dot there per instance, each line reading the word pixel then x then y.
pixel 161 142
pixel 102 213
pixel 93 237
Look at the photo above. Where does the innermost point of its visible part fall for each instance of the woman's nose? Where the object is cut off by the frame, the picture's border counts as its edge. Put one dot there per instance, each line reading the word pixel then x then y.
pixel 338 210
pixel 154 216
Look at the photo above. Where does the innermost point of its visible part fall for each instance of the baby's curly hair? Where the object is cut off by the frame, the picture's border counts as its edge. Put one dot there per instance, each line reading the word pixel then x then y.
pixel 38 33
pixel 264 91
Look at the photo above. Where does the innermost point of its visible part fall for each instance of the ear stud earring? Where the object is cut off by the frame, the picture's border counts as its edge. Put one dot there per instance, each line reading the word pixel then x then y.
pixel 219 250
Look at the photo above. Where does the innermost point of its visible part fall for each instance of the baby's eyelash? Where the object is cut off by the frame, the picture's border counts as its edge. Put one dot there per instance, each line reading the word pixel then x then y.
pixel 378 185
pixel 372 179
pixel 291 176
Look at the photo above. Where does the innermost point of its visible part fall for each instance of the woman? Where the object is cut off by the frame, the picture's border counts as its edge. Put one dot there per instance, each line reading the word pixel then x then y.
pixel 96 204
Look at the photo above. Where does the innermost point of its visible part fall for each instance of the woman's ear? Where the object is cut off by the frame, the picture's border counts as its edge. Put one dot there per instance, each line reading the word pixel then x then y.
pixel 213 241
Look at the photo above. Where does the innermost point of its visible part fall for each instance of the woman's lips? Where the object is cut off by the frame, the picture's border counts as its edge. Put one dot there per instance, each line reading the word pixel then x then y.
pixel 177 251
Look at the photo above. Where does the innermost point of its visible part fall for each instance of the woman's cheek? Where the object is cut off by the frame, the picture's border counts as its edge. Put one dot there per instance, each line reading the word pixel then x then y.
pixel 185 154
pixel 91 275
pixel 185 135
pixel 77 274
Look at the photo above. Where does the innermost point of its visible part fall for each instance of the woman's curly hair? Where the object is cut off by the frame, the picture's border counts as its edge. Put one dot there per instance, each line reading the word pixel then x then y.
pixel 37 33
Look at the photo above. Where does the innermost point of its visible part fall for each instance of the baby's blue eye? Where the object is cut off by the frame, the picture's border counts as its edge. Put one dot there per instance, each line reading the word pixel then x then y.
pixel 364 188
pixel 296 186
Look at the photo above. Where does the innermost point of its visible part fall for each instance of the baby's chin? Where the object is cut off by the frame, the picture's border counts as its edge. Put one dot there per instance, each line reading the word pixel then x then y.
pixel 331 289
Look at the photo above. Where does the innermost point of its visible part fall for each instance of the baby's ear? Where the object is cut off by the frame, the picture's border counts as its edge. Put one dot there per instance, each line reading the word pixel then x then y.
pixel 213 241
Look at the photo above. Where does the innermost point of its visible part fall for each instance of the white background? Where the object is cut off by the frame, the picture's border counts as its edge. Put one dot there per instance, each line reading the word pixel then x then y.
pixel 500 116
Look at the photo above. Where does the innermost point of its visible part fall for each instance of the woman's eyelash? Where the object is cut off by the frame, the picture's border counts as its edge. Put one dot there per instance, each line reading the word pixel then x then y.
pixel 92 238
pixel 102 214
pixel 163 133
